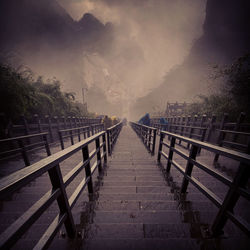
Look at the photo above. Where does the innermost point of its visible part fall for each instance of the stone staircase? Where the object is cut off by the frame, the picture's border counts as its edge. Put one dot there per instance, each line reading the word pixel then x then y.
pixel 138 206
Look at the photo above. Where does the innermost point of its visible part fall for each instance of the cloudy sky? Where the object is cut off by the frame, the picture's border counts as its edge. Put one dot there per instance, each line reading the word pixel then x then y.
pixel 164 31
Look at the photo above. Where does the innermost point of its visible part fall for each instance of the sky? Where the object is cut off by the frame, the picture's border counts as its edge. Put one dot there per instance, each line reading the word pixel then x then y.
pixel 162 30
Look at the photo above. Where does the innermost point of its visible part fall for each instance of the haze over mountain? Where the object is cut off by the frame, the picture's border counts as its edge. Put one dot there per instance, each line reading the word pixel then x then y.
pixel 127 55
pixel 225 37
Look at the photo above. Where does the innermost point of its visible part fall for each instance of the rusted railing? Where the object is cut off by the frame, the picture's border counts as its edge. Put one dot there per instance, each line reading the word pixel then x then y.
pixel 112 135
pixel 51 164
pixel 22 145
pixel 147 134
pixel 237 187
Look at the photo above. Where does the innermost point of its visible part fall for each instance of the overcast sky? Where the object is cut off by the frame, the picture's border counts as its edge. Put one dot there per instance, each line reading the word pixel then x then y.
pixel 164 30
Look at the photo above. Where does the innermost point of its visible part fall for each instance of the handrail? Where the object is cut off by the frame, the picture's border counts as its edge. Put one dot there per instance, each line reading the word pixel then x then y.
pixel 184 130
pixel 147 134
pixel 85 130
pixel 237 187
pixel 232 143
pixel 13 182
pixel 112 135
pixel 81 130
pixel 23 148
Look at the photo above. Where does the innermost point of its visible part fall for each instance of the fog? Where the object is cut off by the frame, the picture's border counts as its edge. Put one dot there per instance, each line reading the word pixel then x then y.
pixel 120 52
pixel 150 38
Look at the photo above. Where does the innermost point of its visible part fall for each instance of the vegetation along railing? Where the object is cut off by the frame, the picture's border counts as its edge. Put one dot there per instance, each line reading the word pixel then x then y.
pixel 22 144
pixel 51 164
pixel 112 135
pixel 237 187
pixel 147 134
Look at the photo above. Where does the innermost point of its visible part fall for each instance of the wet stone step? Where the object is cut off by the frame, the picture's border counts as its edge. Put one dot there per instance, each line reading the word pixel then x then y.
pixel 133 171
pixel 153 189
pixel 138 231
pixel 118 190
pixel 156 217
pixel 135 183
pixel 137 196
pixel 138 244
pixel 141 173
pixel 149 178
pixel 114 231
pixel 136 205
pixel 117 205
pixel 158 205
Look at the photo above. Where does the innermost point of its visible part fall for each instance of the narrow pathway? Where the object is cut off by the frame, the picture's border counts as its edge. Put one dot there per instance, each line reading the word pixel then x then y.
pixel 135 208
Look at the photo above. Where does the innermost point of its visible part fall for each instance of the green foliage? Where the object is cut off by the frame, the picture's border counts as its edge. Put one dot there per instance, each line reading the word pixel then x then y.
pixel 21 94
pixel 233 98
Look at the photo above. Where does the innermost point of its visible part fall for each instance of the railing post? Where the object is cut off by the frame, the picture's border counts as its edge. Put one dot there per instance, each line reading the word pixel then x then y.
pixel 108 139
pixel 240 120
pixel 240 181
pixel 25 124
pixel 160 147
pixel 71 137
pixel 50 128
pixel 221 136
pixel 170 154
pixel 98 154
pixel 45 138
pixel 37 120
pixel 211 128
pixel 79 134
pixel 104 147
pixel 88 132
pixel 63 203
pixel 61 139
pixel 154 140
pixel 24 153
pixel 189 168
pixel 85 154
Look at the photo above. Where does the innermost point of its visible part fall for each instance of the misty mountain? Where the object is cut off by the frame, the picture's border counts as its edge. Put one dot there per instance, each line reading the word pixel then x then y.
pixel 225 37
pixel 44 37
pixel 30 24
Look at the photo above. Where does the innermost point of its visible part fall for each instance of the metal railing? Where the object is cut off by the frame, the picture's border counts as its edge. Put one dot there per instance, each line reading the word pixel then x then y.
pixel 112 135
pixel 70 133
pixel 237 186
pixel 147 134
pixel 95 128
pixel 22 144
pixel 13 182
pixel 224 142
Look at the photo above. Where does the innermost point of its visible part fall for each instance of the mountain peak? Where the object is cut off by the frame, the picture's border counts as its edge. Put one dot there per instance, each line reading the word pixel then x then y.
pixel 90 22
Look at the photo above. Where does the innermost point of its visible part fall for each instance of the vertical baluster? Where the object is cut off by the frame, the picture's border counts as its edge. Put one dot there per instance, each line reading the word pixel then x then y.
pixel 189 168
pixel 62 200
pixel 170 154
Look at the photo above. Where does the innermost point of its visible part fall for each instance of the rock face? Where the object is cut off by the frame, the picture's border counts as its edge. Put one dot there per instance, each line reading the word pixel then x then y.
pixel 226 36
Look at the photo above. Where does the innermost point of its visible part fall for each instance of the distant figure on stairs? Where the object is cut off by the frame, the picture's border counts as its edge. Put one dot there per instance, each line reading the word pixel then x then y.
pixel 145 120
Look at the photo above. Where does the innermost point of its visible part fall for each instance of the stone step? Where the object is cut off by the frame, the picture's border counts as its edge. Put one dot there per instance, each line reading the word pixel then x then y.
pixel 151 205
pixel 137 231
pixel 136 196
pixel 138 244
pixel 156 217
pixel 135 183
pixel 134 189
